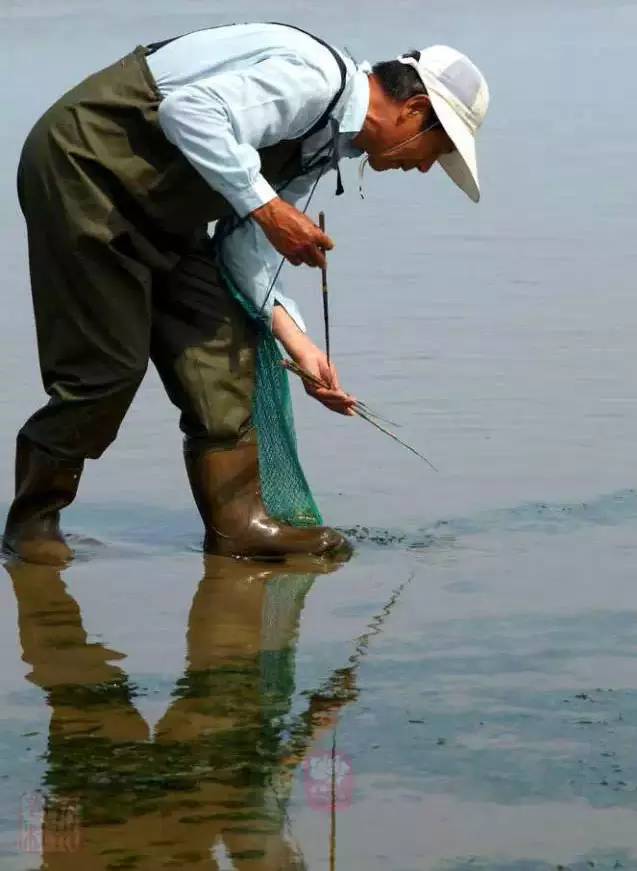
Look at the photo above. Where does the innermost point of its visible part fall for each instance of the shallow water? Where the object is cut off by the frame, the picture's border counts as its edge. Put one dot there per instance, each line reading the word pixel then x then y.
pixel 470 674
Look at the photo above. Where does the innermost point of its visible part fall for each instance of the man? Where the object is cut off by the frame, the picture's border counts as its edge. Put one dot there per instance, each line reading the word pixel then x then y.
pixel 117 182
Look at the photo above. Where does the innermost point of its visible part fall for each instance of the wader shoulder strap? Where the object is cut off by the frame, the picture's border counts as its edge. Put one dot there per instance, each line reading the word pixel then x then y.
pixel 323 120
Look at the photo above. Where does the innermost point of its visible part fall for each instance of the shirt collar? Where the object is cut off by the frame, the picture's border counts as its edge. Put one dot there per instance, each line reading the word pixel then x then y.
pixel 352 111
pixel 349 114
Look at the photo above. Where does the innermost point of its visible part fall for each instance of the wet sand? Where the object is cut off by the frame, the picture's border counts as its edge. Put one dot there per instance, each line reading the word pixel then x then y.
pixel 469 676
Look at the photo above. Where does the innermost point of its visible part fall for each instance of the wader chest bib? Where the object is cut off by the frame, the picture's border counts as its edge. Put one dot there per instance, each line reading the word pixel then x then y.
pixel 112 206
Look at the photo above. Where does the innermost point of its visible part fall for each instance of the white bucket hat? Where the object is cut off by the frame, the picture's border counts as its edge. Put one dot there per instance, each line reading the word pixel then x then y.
pixel 459 95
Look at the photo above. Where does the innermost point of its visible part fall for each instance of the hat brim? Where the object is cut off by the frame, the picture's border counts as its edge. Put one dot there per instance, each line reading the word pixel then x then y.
pixel 461 165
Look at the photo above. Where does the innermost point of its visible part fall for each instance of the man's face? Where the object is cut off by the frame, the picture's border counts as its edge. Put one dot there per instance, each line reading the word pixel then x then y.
pixel 412 139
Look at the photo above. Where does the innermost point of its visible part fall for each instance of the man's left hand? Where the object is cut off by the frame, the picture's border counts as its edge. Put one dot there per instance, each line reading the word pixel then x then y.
pixel 314 361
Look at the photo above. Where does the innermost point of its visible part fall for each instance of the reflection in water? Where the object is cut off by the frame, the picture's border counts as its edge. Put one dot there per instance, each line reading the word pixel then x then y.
pixel 210 788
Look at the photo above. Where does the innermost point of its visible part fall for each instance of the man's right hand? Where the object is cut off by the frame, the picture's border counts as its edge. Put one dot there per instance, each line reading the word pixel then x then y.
pixel 292 233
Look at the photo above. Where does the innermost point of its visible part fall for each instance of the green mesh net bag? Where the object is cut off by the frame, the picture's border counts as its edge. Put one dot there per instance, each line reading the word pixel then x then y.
pixel 284 488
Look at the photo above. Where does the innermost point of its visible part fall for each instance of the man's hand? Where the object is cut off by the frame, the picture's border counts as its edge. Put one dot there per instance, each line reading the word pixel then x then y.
pixel 304 352
pixel 292 233
pixel 314 361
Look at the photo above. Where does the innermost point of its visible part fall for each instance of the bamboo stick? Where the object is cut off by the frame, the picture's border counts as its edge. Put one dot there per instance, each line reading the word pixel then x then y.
pixel 326 303
pixel 357 409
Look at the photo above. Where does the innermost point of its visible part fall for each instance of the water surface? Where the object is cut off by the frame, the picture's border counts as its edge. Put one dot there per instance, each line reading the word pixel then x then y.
pixel 470 675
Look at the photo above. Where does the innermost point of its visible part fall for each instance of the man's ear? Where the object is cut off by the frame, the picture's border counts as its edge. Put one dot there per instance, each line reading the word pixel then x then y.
pixel 419 105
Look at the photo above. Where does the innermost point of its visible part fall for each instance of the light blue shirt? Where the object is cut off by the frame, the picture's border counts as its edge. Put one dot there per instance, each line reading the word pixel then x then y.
pixel 229 91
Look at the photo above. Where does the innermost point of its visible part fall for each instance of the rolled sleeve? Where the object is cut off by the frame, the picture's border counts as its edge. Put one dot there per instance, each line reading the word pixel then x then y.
pixel 291 308
pixel 262 192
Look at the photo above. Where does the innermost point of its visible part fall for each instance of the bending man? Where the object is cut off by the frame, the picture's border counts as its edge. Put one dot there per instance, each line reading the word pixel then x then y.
pixel 118 181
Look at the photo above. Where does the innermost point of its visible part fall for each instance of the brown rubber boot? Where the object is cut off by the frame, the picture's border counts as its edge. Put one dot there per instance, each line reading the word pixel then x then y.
pixel 226 488
pixel 43 485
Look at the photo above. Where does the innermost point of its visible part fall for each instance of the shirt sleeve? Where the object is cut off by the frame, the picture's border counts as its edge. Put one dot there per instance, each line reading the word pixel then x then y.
pixel 253 262
pixel 218 123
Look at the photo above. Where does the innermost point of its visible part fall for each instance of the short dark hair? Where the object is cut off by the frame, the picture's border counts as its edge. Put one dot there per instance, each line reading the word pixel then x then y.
pixel 399 81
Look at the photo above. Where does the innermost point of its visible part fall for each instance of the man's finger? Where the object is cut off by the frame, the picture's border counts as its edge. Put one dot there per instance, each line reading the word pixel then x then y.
pixel 319 258
pixel 323 241
pixel 338 408
pixel 334 378
pixel 335 397
pixel 313 256
pixel 327 376
pixel 325 395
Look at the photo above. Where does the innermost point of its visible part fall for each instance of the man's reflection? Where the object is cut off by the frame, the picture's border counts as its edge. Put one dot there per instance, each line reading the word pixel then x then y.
pixel 210 789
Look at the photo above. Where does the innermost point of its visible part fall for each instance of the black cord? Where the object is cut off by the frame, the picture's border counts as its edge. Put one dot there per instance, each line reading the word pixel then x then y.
pixel 280 267
pixel 318 159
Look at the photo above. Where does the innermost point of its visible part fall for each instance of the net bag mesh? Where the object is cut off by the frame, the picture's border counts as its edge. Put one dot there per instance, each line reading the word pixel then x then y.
pixel 284 488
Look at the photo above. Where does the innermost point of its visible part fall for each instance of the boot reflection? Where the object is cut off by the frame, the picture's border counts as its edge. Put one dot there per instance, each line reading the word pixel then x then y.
pixel 210 783
pixel 93 717
pixel 88 695
pixel 236 690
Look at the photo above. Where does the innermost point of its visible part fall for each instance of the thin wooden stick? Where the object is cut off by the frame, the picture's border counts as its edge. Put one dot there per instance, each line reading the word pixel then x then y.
pixel 394 437
pixel 326 304
pixel 307 376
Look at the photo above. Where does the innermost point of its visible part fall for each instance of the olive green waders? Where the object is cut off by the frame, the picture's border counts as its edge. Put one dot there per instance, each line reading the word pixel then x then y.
pixel 113 213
